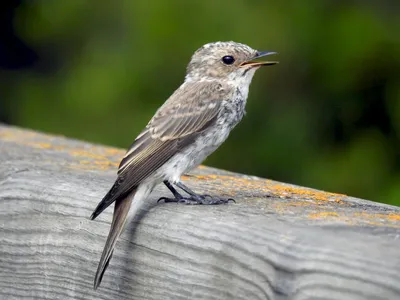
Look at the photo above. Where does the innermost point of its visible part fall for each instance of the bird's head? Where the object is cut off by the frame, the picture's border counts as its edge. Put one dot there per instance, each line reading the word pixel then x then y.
pixel 226 60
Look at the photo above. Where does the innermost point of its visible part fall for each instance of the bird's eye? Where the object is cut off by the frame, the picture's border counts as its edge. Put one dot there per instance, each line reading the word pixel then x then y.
pixel 228 60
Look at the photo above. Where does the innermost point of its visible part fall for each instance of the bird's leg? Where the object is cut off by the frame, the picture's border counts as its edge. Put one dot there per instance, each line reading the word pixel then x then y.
pixel 201 199
pixel 173 191
pixel 193 197
pixel 187 190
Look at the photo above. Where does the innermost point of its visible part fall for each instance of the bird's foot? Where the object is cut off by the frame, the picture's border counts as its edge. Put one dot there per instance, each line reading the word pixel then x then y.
pixel 198 199
pixel 214 200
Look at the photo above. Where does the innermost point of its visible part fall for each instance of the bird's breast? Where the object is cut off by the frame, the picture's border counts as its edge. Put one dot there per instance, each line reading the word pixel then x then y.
pixel 233 109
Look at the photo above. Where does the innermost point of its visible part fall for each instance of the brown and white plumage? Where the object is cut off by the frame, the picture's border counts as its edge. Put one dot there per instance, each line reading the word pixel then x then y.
pixel 189 126
pixel 172 128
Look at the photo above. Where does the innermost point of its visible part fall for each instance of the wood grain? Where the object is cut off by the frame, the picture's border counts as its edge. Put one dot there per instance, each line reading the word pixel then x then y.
pixel 278 241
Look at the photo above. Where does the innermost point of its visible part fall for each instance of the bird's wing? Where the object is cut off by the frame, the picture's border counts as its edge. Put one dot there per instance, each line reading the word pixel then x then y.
pixel 189 111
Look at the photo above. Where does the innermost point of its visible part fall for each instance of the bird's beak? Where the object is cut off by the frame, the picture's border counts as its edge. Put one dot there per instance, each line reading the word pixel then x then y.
pixel 252 63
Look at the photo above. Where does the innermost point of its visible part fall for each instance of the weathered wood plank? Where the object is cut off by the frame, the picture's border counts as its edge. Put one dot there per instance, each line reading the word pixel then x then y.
pixel 278 241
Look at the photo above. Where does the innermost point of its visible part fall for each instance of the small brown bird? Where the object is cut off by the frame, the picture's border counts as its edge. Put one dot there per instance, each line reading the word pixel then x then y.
pixel 188 127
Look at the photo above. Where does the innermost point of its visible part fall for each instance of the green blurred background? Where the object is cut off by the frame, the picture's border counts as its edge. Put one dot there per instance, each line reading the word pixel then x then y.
pixel 328 116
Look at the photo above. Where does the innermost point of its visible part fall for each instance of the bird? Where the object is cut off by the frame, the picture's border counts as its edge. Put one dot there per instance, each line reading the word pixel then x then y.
pixel 191 124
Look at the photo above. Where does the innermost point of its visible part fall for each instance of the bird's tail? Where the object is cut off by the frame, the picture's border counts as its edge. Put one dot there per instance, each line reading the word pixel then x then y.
pixel 121 210
pixel 108 199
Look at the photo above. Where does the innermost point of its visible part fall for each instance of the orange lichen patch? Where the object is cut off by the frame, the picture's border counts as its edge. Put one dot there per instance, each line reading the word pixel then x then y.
pixel 5 134
pixel 94 165
pixel 106 163
pixel 298 203
pixel 77 152
pixel 38 145
pixel 231 183
pixel 371 216
pixel 109 155
pixel 185 177
pixel 98 163
pixel 291 191
pixel 114 151
pixel 88 154
pixel 41 145
pixel 323 215
pixel 285 207
pixel 309 208
pixel 20 135
pixel 97 157
pixel 205 177
pixel 24 139
pixel 389 220
pixel 394 217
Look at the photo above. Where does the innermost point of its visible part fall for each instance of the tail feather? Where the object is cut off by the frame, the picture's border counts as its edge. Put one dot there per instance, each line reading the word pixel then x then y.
pixel 121 210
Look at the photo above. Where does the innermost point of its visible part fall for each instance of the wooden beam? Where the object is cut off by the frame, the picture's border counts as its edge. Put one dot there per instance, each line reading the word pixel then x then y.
pixel 278 241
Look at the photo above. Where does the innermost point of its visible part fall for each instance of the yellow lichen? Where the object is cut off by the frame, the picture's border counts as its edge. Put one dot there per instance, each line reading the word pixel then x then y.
pixel 323 215
pixel 390 216
pixel 231 183
pixel 84 153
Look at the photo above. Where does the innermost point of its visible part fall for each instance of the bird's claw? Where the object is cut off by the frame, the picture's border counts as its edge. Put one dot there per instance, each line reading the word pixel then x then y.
pixel 167 200
pixel 201 199
pixel 217 199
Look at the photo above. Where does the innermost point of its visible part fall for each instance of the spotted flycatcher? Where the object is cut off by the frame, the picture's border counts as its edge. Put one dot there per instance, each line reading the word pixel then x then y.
pixel 188 127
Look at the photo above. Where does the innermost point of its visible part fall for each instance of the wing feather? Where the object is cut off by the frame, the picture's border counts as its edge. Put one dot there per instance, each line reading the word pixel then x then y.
pixel 187 112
